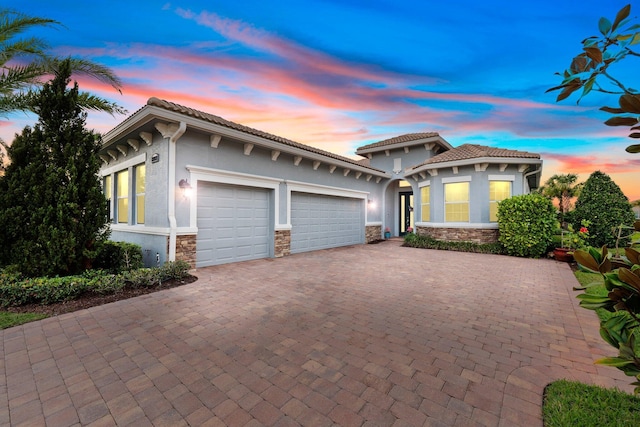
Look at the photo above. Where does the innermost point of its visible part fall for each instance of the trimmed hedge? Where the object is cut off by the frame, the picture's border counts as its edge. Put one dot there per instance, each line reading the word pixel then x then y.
pixel 427 242
pixel 16 290
pixel 526 223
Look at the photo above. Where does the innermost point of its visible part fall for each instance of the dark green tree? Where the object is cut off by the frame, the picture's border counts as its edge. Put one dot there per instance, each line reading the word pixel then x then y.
pixel 52 209
pixel 603 204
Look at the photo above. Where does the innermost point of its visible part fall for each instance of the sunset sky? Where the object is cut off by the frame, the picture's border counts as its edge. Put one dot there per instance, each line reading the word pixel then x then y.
pixel 341 74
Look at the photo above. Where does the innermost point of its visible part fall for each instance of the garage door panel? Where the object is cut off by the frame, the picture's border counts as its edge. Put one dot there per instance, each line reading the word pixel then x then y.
pixel 321 222
pixel 233 224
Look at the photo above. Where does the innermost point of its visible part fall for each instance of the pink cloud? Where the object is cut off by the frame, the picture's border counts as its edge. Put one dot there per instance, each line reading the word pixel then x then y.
pixel 590 163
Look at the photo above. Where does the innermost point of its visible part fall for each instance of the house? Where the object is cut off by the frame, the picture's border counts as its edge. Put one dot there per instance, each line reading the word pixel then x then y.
pixel 186 184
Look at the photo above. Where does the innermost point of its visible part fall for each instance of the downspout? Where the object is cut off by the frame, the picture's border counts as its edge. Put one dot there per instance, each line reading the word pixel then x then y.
pixel 173 132
pixel 526 175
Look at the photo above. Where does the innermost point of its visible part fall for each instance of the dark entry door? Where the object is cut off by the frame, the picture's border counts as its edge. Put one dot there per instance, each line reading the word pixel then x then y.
pixel 406 212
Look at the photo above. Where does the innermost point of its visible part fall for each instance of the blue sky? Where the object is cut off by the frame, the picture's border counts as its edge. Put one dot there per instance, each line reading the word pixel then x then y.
pixel 341 74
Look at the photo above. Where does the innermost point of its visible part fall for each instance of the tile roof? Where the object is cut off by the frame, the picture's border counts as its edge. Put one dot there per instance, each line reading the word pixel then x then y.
pixel 474 151
pixel 400 139
pixel 170 106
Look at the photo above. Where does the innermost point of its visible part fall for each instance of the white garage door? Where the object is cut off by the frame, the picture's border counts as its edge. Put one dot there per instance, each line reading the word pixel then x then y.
pixel 233 224
pixel 321 222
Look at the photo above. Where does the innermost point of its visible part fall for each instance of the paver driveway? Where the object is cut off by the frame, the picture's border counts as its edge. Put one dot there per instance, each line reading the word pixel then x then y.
pixel 367 335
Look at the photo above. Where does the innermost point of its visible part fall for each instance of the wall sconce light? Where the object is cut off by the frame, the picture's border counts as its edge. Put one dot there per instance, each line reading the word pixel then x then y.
pixel 186 188
pixel 371 203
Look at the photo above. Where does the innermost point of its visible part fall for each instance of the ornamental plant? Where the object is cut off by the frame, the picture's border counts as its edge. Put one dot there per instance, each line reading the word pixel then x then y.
pixel 573 240
pixel 622 328
pixel 526 224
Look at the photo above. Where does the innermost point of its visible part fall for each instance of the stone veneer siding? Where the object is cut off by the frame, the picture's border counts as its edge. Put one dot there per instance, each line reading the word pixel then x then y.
pixel 282 243
pixel 372 233
pixel 186 249
pixel 476 235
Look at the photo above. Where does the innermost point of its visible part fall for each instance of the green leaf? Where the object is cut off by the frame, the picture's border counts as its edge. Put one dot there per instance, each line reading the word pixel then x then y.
pixel 605 336
pixel 622 15
pixel 634 135
pixel 604 25
pixel 622 121
pixel 636 38
pixel 614 361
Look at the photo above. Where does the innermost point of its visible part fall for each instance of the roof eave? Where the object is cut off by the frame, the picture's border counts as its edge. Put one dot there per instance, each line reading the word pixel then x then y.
pixel 149 113
pixel 478 160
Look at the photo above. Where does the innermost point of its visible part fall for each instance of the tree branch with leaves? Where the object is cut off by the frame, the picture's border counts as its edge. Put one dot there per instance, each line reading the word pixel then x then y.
pixel 591 70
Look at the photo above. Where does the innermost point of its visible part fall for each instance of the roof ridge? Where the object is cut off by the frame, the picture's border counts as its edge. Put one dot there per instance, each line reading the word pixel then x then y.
pixel 407 137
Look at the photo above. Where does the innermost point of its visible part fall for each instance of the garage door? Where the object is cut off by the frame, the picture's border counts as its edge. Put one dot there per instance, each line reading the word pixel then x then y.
pixel 321 222
pixel 233 224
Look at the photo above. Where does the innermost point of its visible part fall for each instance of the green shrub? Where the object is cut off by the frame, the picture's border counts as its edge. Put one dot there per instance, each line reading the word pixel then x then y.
pixel 427 242
pixel 16 290
pixel 143 277
pixel 526 223
pixel 117 257
pixel 42 290
pixel 177 270
pixel 603 204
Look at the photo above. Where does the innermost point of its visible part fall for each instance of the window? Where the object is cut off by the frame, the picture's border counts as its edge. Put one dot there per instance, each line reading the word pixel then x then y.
pixel 425 195
pixel 456 202
pixel 140 190
pixel 108 193
pixel 122 195
pixel 498 190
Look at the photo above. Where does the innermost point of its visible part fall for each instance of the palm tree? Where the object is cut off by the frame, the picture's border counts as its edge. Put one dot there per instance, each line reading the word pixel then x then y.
pixel 26 65
pixel 563 188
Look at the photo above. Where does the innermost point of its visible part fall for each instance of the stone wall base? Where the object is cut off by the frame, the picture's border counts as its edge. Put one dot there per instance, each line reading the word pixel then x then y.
pixel 372 233
pixel 475 235
pixel 186 249
pixel 282 243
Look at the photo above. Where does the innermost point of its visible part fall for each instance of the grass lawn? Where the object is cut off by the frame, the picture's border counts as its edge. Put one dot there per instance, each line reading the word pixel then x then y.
pixel 8 320
pixel 568 403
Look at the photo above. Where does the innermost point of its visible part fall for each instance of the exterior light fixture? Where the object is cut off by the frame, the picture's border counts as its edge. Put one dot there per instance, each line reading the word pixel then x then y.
pixel 186 188
pixel 371 203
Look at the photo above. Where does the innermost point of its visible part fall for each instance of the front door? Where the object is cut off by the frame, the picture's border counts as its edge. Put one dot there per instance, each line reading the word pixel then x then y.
pixel 406 212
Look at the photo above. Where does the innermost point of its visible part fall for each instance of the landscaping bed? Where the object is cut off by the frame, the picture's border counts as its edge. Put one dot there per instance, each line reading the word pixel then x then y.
pixel 91 299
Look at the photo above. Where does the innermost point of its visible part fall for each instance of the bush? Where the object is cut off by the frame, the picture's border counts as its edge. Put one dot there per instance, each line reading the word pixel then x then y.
pixel 15 290
pixel 603 204
pixel 527 223
pixel 177 270
pixel 118 257
pixel 143 277
pixel 427 242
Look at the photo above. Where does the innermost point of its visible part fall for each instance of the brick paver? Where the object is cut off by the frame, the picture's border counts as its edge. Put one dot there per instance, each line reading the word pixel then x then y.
pixel 367 335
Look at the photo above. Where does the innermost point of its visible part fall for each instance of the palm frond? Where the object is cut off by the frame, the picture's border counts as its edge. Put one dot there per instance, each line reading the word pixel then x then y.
pixel 13 23
pixel 83 66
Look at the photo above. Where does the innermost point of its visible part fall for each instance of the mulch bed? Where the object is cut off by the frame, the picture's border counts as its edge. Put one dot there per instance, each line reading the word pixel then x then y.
pixel 91 300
